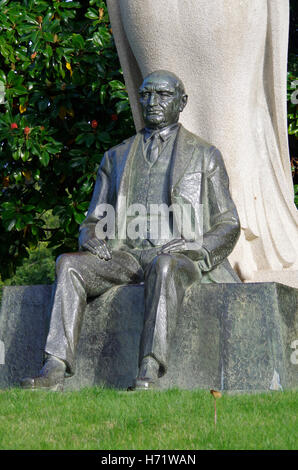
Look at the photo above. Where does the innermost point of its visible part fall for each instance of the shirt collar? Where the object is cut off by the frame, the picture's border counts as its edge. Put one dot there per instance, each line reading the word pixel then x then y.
pixel 163 133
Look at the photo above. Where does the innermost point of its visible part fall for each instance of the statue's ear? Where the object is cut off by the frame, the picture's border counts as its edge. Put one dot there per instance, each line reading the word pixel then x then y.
pixel 183 102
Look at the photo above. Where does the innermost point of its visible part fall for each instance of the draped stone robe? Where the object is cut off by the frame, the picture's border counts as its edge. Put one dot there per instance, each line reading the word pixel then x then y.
pixel 232 58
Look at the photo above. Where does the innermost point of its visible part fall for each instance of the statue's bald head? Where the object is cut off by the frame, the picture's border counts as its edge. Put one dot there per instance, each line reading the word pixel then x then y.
pixel 163 98
pixel 166 75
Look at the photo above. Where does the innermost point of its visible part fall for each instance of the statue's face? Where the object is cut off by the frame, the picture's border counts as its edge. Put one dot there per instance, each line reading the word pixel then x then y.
pixel 161 101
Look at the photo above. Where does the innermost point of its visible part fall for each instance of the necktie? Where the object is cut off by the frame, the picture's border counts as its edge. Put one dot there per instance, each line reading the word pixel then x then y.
pixel 153 148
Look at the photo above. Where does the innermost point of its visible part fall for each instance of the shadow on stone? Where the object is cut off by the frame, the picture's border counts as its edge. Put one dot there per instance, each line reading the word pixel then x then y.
pixel 24 323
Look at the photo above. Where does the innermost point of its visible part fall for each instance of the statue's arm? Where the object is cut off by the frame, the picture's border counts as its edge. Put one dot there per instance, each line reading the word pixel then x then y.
pixel 220 239
pixel 224 228
pixel 87 236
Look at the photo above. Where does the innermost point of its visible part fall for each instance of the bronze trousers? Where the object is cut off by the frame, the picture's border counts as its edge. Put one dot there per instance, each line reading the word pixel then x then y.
pixel 82 275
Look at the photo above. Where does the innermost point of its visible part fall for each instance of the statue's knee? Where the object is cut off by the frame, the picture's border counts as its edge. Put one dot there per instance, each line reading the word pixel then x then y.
pixel 64 262
pixel 164 263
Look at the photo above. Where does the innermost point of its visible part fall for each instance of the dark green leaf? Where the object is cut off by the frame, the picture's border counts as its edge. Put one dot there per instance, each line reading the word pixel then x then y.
pixel 44 158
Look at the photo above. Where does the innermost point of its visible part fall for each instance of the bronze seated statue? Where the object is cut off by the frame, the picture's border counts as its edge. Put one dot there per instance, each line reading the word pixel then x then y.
pixel 163 164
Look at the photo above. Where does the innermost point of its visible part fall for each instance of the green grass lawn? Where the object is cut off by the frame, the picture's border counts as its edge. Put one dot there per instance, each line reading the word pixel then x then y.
pixel 98 418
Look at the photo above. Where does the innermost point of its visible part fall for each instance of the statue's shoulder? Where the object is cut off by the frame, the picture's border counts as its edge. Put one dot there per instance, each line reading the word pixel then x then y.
pixel 210 154
pixel 194 139
pixel 120 148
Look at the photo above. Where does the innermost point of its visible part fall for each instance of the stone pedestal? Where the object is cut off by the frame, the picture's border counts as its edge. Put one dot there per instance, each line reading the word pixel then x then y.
pixel 228 336
pixel 24 318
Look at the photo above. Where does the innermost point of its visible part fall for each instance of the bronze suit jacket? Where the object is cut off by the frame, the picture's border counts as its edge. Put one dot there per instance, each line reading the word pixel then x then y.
pixel 198 177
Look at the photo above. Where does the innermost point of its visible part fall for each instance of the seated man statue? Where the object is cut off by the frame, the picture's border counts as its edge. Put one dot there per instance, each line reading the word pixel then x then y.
pixel 163 164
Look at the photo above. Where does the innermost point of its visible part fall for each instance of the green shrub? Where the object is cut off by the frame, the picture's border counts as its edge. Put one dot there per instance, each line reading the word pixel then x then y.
pixel 63 103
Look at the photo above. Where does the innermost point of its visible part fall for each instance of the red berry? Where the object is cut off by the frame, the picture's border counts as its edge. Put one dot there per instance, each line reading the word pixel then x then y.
pixel 5 181
pixel 27 130
pixel 94 124
pixel 13 125
pixel 114 117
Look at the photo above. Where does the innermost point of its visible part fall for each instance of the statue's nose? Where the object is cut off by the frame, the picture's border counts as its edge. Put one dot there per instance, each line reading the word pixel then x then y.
pixel 152 99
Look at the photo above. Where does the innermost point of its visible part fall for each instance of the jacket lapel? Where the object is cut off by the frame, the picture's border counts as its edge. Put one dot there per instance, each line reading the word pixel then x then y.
pixel 186 185
pixel 182 154
pixel 123 184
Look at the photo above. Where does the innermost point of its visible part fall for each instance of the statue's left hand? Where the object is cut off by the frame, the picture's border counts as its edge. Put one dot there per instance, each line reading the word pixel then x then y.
pixel 174 246
pixel 190 249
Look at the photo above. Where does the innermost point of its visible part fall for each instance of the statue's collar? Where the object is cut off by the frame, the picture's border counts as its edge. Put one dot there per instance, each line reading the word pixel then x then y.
pixel 163 133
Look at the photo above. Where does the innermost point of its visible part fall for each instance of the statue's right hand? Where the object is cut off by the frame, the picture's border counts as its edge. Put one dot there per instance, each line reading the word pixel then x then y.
pixel 98 248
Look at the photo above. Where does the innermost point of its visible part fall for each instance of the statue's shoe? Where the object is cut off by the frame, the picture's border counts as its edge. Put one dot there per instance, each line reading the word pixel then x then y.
pixel 144 383
pixel 42 383
pixel 51 377
pixel 147 377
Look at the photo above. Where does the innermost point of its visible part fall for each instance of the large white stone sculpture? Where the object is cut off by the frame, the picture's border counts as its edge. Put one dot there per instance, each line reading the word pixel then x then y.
pixel 232 58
